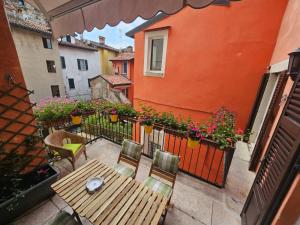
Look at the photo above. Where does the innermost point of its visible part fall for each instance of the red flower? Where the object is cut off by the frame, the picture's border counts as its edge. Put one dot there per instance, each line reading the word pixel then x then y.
pixel 240 131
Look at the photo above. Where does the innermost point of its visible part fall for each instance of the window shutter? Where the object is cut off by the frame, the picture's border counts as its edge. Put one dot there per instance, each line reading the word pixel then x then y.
pixel 86 64
pixel 78 64
pixel 44 42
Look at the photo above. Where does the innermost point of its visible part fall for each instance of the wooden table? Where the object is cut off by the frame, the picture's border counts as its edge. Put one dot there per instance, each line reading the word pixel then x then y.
pixel 122 200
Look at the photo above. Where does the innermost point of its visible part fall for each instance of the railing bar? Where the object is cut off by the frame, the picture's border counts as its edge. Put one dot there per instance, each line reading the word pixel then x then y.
pixel 211 163
pixel 207 149
pixel 198 156
pixel 221 160
pixel 184 154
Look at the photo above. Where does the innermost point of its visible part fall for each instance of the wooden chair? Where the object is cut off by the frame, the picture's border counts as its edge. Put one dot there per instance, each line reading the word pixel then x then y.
pixel 64 218
pixel 163 174
pixel 71 150
pixel 130 154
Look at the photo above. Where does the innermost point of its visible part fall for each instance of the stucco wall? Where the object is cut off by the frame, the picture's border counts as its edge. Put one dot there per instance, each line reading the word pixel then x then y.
pixel 288 38
pixel 32 56
pixel 216 57
pixel 80 77
pixel 105 55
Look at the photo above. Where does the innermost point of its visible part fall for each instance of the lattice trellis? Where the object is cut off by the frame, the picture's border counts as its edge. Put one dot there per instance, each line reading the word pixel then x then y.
pixel 20 146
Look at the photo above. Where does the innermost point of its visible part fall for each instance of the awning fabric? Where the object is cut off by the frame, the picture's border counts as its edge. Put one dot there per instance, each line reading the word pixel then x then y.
pixel 70 16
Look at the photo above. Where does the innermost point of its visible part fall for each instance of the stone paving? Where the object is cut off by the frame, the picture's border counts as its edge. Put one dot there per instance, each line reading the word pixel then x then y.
pixel 195 202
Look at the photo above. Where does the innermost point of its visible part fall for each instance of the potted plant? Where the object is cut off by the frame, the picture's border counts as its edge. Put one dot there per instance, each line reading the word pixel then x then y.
pixel 147 122
pixel 76 116
pixel 87 108
pixel 22 191
pixel 194 135
pixel 113 115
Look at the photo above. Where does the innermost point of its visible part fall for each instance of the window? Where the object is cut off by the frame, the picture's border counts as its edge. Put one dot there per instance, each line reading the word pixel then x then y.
pixel 155 52
pixel 21 3
pixel 47 42
pixel 51 66
pixel 71 83
pixel 55 91
pixel 82 64
pixel 124 68
pixel 89 82
pixel 68 38
pixel 63 62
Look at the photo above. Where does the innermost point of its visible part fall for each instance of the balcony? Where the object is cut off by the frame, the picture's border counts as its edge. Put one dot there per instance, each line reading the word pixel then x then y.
pixel 195 202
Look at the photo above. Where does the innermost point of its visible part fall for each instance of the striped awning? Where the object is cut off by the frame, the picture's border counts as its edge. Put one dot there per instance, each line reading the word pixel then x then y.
pixel 70 16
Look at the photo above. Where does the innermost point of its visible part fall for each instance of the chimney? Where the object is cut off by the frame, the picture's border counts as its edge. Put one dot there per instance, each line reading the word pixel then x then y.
pixel 101 40
pixel 129 49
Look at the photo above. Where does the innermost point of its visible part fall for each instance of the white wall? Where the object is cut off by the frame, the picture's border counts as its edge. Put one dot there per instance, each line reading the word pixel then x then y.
pixel 80 77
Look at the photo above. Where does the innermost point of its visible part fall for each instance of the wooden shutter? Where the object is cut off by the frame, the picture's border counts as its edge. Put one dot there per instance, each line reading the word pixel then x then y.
pixel 78 64
pixel 277 164
pixel 268 121
pixel 86 64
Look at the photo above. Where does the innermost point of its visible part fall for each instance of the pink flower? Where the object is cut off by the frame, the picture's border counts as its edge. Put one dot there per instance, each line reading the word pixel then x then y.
pixel 240 131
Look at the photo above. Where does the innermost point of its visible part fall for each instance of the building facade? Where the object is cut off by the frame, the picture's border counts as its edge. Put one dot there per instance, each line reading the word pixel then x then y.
pixel 79 62
pixel 34 43
pixel 209 63
pixel 123 65
pixel 106 52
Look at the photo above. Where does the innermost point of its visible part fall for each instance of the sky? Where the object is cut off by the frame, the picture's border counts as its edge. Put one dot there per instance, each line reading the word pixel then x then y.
pixel 114 36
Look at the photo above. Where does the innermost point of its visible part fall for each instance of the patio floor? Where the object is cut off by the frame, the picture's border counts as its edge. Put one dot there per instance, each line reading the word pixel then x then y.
pixel 195 202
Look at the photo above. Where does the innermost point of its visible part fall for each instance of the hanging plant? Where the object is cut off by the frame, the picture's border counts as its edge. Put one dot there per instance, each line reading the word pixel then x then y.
pixel 113 114
pixel 76 116
pixel 195 135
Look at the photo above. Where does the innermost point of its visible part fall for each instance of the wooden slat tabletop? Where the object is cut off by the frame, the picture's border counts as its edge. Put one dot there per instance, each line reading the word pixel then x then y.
pixel 122 200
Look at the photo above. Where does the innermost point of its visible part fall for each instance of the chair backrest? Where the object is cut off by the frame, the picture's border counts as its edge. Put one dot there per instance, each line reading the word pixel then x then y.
pixel 55 139
pixel 165 165
pixel 130 153
pixel 55 142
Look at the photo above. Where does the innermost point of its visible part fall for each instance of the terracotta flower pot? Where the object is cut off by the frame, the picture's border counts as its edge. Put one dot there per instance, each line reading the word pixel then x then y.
pixel 148 129
pixel 76 120
pixel 193 143
pixel 113 118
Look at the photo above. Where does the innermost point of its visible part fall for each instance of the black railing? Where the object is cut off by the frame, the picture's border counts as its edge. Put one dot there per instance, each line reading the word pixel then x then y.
pixel 207 161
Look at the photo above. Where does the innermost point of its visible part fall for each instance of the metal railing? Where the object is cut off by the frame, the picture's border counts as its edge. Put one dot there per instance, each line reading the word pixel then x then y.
pixel 206 162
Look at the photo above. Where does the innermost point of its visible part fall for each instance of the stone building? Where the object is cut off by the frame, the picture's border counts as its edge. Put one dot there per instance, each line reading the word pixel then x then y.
pixel 37 50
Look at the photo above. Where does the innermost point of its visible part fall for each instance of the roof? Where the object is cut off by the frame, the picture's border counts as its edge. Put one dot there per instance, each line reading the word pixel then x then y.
pixel 116 80
pixel 29 18
pixel 148 23
pixel 29 25
pixel 104 46
pixel 78 44
pixel 123 56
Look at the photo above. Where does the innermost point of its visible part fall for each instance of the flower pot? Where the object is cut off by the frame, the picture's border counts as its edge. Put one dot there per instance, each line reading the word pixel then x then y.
pixel 148 129
pixel 193 143
pixel 113 118
pixel 76 120
pixel 30 198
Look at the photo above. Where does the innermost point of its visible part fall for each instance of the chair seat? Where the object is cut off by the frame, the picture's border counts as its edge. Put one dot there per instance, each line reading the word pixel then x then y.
pixel 124 170
pixel 63 218
pixel 158 186
pixel 74 148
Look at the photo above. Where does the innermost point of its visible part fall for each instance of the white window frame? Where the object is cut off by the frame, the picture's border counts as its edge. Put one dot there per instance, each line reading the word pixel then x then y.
pixel 123 72
pixel 149 36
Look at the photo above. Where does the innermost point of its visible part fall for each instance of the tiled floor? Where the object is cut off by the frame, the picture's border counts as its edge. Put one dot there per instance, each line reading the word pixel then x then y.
pixel 195 202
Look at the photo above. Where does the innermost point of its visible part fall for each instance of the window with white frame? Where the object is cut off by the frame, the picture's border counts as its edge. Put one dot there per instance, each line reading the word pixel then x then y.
pixel 155 52
pixel 124 68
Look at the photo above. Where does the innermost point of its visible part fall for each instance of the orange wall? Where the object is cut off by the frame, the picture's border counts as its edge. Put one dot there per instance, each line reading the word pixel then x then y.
pixel 289 212
pixel 216 57
pixel 289 34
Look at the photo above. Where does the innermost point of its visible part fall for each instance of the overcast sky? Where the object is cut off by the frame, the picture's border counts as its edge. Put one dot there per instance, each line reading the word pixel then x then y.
pixel 115 36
